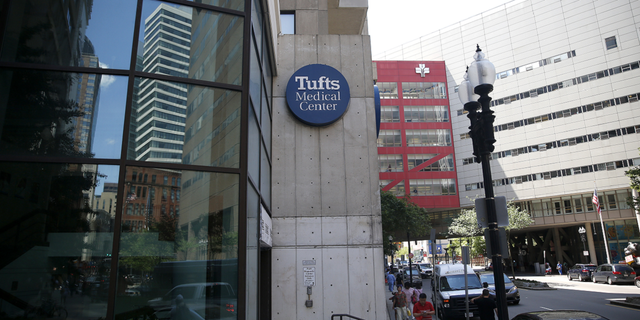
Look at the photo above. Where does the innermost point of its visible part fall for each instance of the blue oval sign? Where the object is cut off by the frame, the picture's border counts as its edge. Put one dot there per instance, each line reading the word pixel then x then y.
pixel 318 95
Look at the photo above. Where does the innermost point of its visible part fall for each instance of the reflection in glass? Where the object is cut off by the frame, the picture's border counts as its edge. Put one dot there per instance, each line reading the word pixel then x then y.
pixel 56 242
pixel 424 90
pixel 181 240
pixel 75 25
pixel 56 113
pixel 230 4
pixel 199 44
pixel 186 124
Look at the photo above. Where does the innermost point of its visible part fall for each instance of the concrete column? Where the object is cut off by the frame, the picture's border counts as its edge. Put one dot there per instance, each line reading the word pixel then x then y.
pixel 558 246
pixel 590 244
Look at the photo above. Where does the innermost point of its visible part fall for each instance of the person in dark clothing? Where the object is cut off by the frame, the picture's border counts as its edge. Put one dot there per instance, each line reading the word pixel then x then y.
pixel 486 305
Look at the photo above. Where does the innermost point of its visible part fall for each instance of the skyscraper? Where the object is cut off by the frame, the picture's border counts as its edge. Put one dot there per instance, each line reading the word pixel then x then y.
pixel 161 105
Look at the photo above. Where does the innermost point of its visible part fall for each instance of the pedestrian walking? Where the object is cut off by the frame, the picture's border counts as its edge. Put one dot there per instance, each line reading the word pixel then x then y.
pixel 410 293
pixel 391 280
pixel 559 267
pixel 423 309
pixel 486 306
pixel 400 303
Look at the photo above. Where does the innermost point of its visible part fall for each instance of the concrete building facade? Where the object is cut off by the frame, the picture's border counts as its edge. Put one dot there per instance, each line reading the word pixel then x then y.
pixel 326 207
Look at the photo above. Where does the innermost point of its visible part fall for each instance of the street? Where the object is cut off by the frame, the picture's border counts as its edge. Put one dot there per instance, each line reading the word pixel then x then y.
pixel 588 296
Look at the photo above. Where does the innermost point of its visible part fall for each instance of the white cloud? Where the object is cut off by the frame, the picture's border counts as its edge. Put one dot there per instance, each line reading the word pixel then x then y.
pixel 106 80
pixel 111 141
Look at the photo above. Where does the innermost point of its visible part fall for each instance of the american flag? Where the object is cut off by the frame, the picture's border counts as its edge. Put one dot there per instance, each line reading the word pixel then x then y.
pixel 595 201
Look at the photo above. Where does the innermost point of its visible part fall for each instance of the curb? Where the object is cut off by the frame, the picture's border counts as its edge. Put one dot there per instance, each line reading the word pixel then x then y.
pixel 538 288
pixel 625 304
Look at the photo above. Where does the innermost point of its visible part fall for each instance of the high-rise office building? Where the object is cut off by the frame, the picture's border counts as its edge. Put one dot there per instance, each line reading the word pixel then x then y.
pixel 160 108
pixel 565 100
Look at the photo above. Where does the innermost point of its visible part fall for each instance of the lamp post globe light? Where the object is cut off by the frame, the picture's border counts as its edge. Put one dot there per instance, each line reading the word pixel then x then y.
pixel 474 94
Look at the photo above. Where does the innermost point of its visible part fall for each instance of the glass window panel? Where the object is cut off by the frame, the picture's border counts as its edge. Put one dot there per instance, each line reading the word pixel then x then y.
pixel 255 81
pixel 197 44
pixel 390 162
pixel 423 90
pixel 61 114
pixel 265 178
pixel 193 253
pixel 254 149
pixel 389 138
pixel 266 123
pixel 256 22
pixel 397 190
pixel 388 90
pixel 84 33
pixel 58 239
pixel 187 124
pixel 426 114
pixel 389 114
pixel 230 4
pixel 623 196
pixel 288 23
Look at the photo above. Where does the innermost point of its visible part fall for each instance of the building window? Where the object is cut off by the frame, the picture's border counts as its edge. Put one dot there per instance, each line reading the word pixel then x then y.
pixel 287 23
pixel 389 138
pixel 389 114
pixel 428 138
pixel 388 90
pixel 390 162
pixel 397 190
pixel 432 187
pixel 424 90
pixel 611 42
pixel 426 114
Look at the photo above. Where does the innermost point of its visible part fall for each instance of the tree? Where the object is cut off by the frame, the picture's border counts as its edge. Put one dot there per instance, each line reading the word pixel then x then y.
pixel 466 224
pixel 399 216
pixel 634 176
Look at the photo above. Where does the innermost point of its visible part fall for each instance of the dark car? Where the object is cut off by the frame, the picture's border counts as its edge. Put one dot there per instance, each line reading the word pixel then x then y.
pixel 581 271
pixel 614 273
pixel 637 281
pixel 513 295
pixel 415 277
pixel 558 315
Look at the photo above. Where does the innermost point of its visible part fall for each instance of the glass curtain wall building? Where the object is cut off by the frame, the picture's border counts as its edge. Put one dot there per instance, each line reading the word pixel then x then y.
pixel 135 158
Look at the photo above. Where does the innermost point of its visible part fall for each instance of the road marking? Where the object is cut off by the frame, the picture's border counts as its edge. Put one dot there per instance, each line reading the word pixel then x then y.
pixel 617 306
pixel 546 308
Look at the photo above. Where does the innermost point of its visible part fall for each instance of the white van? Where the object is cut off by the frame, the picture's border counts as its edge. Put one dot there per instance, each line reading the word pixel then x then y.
pixel 448 290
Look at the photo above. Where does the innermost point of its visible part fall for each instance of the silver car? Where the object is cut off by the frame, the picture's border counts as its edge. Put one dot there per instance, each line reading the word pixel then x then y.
pixel 614 273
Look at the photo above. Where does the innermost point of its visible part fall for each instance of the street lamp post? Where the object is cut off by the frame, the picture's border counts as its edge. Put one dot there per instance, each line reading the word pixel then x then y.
pixel 583 237
pixel 474 94
pixel 391 248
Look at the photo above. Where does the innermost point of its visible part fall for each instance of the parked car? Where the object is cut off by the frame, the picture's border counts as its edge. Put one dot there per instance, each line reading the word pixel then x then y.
pixel 513 295
pixel 581 271
pixel 614 273
pixel 558 315
pixel 413 278
pixel 426 270
pixel 211 297
pixel 637 281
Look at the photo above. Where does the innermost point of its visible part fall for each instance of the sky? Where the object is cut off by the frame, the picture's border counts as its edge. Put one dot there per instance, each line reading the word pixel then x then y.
pixel 390 26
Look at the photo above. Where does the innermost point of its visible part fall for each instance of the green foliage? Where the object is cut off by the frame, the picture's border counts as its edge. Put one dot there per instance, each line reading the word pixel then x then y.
pixel 634 176
pixel 466 225
pixel 399 216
